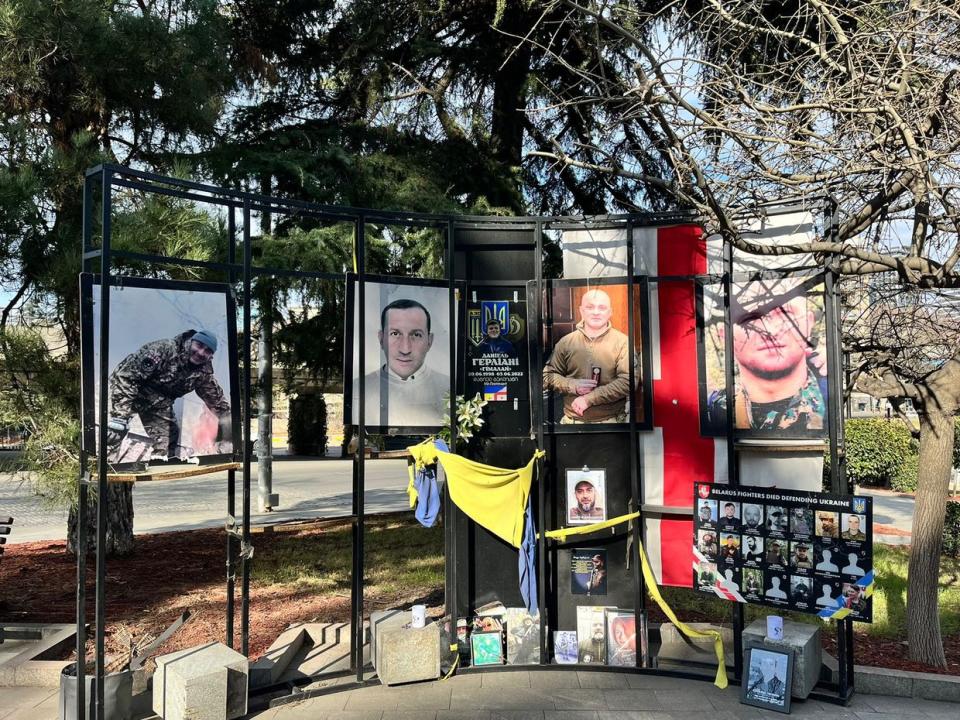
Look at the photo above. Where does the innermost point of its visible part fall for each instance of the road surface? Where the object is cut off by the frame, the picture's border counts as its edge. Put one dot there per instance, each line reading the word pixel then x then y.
pixel 308 489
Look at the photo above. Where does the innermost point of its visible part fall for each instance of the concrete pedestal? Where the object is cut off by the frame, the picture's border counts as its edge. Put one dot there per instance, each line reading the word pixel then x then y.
pixel 208 682
pixel 803 639
pixel 406 655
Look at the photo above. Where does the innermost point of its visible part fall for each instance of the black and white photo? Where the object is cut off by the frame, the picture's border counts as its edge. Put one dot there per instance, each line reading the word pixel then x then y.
pixel 768 679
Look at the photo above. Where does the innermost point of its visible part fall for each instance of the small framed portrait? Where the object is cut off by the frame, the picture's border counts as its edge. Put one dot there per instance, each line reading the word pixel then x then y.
pixel 753 583
pixel 752 550
pixel 706 575
pixel 592 344
pixel 768 681
pixel 586 496
pixel 729 516
pixel 407 357
pixel 853 527
pixel 801 555
pixel 707 543
pixel 729 547
pixel 800 589
pixel 172 386
pixel 487 648
pixel 801 521
pixel 565 650
pixel 621 638
pixel 778 520
pixel 753 521
pixel 707 513
pixel 827 524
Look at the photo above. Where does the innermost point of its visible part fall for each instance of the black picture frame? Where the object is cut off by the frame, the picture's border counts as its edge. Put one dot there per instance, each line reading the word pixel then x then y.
pixel 545 331
pixel 350 361
pixel 713 424
pixel 768 690
pixel 89 352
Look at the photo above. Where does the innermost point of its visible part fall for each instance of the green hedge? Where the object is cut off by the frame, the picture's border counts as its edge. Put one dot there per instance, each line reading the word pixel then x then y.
pixel 876 450
pixel 951 530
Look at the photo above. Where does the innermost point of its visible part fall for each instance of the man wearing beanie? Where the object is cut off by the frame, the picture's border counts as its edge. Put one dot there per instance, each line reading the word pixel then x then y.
pixel 148 381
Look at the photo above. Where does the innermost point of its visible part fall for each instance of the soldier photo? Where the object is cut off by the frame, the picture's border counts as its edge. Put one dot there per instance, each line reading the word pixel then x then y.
pixel 145 385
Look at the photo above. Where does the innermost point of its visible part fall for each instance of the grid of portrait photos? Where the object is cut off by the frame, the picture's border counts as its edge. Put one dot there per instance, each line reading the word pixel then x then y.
pixel 172 384
pixel 779 363
pixel 795 550
pixel 586 351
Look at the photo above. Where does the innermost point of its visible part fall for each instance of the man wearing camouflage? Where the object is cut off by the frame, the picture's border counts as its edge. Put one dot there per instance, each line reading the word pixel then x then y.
pixel 147 382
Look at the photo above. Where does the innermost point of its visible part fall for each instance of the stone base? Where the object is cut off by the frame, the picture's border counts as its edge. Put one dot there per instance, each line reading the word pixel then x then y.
pixel 803 639
pixel 208 682
pixel 406 655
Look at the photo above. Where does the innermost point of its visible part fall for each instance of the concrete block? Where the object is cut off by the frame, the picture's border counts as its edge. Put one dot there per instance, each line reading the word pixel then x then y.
pixel 936 687
pixel 803 639
pixel 382 619
pixel 208 682
pixel 408 654
pixel 882 681
pixel 268 669
pixel 674 645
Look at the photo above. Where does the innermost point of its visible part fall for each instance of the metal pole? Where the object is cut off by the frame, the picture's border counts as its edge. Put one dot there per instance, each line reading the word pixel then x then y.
pixel 356 597
pixel 733 473
pixel 265 499
pixel 102 467
pixel 545 634
pixel 636 471
pixel 231 474
pixel 245 547
pixel 82 490
pixel 450 508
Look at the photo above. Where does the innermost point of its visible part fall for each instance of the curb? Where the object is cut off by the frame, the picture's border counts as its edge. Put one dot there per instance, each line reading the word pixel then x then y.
pixel 905 683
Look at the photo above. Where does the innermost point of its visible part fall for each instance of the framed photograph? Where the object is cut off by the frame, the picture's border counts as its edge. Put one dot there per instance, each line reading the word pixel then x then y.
pixel 172 386
pixel 586 354
pixel 591 634
pixel 621 638
pixel 588 571
pixel 523 637
pixel 586 496
pixel 407 355
pixel 565 647
pixel 487 648
pixel 496 363
pixel 780 370
pixel 769 674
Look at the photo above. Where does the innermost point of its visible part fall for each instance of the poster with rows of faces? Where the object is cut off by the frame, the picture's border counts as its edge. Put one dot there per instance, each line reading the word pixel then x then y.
pixel 794 550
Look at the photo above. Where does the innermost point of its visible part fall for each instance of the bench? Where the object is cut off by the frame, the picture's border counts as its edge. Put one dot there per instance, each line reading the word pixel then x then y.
pixel 5 523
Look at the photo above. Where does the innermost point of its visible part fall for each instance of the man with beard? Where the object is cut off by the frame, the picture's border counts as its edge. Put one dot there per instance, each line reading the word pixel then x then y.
pixel 779 381
pixel 753 551
pixel 585 507
pixel 148 381
pixel 592 646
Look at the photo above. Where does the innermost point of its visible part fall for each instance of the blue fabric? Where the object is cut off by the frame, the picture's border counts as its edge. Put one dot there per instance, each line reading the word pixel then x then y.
pixel 528 564
pixel 428 491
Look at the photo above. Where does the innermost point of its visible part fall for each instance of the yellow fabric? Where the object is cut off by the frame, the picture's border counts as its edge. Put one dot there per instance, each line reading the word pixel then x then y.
pixel 495 498
pixel 411 488
pixel 654 590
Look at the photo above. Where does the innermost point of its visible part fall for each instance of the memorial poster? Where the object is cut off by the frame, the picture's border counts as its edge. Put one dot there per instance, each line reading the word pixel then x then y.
pixel 496 362
pixel 794 550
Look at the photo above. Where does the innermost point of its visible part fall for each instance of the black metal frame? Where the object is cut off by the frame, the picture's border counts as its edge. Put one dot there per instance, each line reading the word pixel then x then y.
pixel 105 178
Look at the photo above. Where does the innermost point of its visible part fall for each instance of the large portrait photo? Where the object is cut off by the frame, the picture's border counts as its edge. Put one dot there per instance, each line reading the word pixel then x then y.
pixel 587 354
pixel 407 358
pixel 779 358
pixel 172 381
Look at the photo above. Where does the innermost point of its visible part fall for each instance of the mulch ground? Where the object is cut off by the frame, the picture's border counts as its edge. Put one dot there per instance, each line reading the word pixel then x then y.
pixel 173 572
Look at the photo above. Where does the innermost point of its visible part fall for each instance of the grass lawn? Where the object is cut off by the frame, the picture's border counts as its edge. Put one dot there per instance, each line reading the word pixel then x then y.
pixel 400 557
pixel 889 598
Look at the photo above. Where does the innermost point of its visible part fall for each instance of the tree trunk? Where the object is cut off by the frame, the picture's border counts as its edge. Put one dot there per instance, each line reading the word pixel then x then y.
pixel 923 620
pixel 119 522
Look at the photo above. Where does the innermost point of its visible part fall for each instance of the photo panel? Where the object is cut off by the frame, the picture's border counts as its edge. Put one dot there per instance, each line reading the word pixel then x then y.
pixel 586 496
pixel 585 354
pixel 779 346
pixel 407 360
pixel 621 638
pixel 768 681
pixel 172 383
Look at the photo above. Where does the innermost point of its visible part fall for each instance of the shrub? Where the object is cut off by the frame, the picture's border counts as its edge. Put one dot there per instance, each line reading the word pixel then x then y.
pixel 876 450
pixel 951 530
pixel 907 475
pixel 307 424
